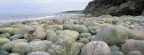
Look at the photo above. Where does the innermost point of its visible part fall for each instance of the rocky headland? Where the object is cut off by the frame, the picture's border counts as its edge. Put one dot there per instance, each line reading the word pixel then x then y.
pixel 115 7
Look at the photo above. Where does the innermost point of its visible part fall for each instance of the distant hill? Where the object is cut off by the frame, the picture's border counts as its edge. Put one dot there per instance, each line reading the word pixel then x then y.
pixel 74 11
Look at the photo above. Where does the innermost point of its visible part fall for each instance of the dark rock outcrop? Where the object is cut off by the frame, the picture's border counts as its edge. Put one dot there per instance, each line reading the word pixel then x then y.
pixel 114 7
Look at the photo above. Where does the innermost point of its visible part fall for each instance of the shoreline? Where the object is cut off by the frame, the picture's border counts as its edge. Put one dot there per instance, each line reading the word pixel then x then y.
pixel 53 16
pixel 72 33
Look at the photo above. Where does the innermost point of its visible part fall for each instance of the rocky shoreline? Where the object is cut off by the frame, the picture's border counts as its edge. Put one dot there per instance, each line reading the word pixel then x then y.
pixel 103 35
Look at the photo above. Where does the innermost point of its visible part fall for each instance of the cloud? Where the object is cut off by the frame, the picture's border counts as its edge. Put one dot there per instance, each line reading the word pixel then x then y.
pixel 40 1
pixel 41 5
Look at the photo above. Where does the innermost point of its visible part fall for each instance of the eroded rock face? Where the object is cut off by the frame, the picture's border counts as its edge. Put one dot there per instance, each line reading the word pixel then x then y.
pixel 114 7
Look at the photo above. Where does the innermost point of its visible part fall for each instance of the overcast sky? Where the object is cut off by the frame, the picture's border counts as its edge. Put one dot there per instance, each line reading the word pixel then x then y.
pixel 41 6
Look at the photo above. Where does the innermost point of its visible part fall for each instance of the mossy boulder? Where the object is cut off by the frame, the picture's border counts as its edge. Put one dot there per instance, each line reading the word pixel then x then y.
pixel 85 35
pixel 38 46
pixel 92 29
pixel 133 45
pixel 84 40
pixel 108 34
pixel 75 50
pixel 24 30
pixel 96 48
pixel 58 32
pixel 81 29
pixel 14 54
pixel 116 53
pixel 51 35
pixel 9 30
pixel 69 26
pixel 57 50
pixel 67 43
pixel 19 47
pixel 36 40
pixel 122 29
pixel 8 46
pixel 3 41
pixel 16 36
pixel 18 25
pixel 5 25
pixel 5 35
pixel 57 21
pixel 34 23
pixel 58 27
pixel 135 53
pixel 67 33
pixel 38 53
pixel 103 25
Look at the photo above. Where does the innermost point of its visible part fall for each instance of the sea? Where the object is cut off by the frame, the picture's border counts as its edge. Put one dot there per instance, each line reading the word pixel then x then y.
pixel 4 18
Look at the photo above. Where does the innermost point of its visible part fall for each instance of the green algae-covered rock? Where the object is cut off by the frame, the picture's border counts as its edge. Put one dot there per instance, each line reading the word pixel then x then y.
pixel 58 32
pixel 92 29
pixel 75 50
pixel 9 30
pixel 3 52
pixel 19 47
pixel 67 33
pixel 18 25
pixel 56 50
pixel 5 25
pixel 96 48
pixel 8 46
pixel 85 35
pixel 58 27
pixel 14 54
pixel 38 46
pixel 133 45
pixel 69 26
pixel 135 53
pixel 122 29
pixel 24 30
pixel 116 53
pixel 51 35
pixel 5 35
pixel 114 48
pixel 16 36
pixel 38 33
pixel 67 43
pixel 108 34
pixel 103 25
pixel 38 53
pixel 36 40
pixel 3 41
pixel 84 40
pixel 57 21
pixel 35 23
pixel 81 29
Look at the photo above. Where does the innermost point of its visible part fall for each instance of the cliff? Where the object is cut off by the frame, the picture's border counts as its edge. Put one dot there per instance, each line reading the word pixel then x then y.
pixel 114 7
